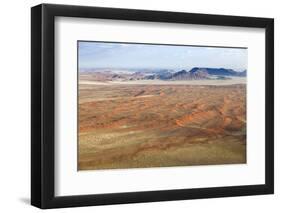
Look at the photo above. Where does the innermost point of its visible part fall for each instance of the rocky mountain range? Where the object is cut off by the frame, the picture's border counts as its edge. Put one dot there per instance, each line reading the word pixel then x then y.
pixel 198 73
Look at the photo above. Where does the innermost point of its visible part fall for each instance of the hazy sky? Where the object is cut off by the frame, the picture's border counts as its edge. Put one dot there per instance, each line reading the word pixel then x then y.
pixel 124 55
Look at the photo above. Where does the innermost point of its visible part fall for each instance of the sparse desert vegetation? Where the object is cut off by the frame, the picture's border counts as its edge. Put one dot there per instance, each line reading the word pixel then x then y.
pixel 130 124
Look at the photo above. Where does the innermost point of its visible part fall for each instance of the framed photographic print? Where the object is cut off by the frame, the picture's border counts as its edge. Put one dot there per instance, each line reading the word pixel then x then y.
pixel 139 106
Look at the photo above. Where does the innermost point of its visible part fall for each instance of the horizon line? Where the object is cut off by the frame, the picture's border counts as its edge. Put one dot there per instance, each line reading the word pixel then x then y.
pixel 151 68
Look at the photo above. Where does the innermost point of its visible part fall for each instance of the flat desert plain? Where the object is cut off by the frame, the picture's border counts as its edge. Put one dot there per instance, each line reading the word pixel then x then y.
pixel 143 124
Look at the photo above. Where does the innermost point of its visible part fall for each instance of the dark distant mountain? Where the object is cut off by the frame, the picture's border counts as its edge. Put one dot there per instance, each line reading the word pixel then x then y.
pixel 180 75
pixel 150 77
pixel 197 73
pixel 243 73
pixel 162 75
pixel 219 71
pixel 184 75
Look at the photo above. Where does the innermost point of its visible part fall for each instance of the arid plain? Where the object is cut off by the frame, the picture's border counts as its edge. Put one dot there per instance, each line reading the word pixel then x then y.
pixel 150 124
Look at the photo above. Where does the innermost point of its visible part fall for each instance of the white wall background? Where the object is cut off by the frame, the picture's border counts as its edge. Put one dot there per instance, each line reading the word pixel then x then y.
pixel 15 105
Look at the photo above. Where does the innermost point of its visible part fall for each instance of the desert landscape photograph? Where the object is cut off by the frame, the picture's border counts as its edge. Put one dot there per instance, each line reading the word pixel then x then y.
pixel 160 105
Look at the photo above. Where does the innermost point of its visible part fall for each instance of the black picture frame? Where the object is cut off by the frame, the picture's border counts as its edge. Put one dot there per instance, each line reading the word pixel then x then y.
pixel 43 102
